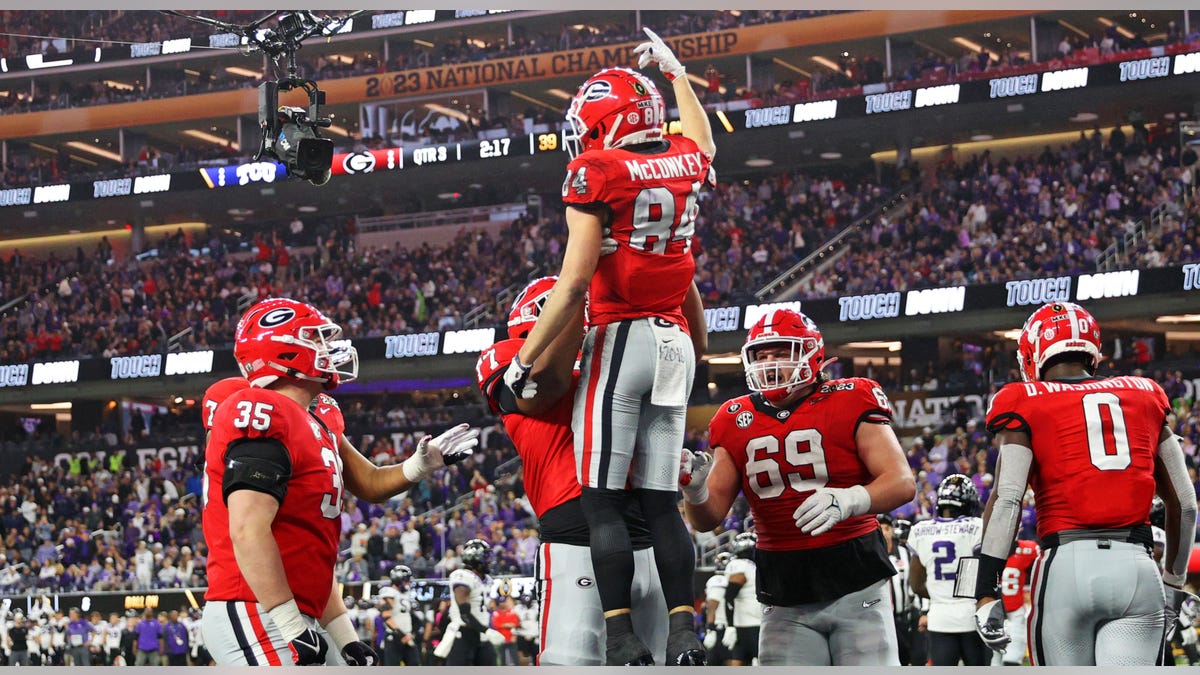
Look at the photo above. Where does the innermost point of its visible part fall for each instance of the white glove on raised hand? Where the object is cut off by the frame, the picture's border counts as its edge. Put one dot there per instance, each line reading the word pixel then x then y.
pixel 453 446
pixel 989 624
pixel 729 638
pixel 829 506
pixel 693 475
pixel 517 379
pixel 494 636
pixel 657 51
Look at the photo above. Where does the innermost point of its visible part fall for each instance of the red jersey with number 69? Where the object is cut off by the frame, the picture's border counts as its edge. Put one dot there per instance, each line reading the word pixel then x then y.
pixel 217 392
pixel 308 523
pixel 783 455
pixel 651 198
pixel 1016 574
pixel 1094 443
pixel 545 443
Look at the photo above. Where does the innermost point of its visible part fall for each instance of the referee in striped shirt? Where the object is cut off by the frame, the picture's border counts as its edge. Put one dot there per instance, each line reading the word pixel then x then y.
pixel 903 599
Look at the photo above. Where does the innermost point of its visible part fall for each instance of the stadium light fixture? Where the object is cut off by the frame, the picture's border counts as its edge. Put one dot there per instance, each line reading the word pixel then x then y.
pixel 1179 318
pixel 98 151
pixel 733 360
pixel 244 72
pixel 827 63
pixel 559 93
pixel 891 346
pixel 792 67
pixel 210 138
pixel 64 405
pixel 1125 32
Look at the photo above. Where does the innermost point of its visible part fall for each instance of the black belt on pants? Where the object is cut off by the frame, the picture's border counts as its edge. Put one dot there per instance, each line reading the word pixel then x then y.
pixel 1139 534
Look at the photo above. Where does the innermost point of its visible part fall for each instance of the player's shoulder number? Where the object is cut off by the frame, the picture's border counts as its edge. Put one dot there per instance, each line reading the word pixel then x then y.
pixel 253 415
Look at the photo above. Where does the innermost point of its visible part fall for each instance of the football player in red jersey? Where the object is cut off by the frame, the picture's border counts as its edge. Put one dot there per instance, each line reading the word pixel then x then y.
pixel 273 522
pixel 815 458
pixel 572 621
pixel 1097 596
pixel 631 208
pixel 1012 586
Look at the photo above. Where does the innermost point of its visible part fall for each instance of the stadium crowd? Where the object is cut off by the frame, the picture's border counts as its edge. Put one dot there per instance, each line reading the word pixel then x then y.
pixel 978 220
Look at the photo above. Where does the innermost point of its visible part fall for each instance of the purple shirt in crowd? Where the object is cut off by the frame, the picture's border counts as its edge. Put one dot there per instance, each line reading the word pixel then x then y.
pixel 177 638
pixel 149 631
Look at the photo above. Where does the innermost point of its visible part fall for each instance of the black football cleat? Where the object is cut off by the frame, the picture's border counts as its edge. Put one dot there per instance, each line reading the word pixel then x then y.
pixel 627 651
pixel 683 645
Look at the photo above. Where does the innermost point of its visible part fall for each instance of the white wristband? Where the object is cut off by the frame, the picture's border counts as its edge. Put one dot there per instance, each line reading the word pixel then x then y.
pixel 696 495
pixel 855 501
pixel 341 630
pixel 288 620
pixel 411 470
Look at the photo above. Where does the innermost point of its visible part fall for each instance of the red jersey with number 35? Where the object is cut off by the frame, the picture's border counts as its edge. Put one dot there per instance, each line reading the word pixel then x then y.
pixel 652 201
pixel 1016 574
pixel 1094 443
pixel 217 392
pixel 545 443
pixel 308 523
pixel 783 455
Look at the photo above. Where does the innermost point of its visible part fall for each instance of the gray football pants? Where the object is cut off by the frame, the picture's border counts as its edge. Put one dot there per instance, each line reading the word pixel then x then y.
pixel 855 630
pixel 1095 606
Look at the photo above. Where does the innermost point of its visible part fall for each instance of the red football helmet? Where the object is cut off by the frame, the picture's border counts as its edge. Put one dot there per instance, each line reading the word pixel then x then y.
pixel 528 307
pixel 279 337
pixel 778 379
pixel 614 108
pixel 1057 328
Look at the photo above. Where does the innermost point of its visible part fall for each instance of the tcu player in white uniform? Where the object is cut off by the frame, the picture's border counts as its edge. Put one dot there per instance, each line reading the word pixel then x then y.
pixel 112 639
pixel 715 623
pixel 473 642
pixel 400 621
pixel 937 546
pixel 743 614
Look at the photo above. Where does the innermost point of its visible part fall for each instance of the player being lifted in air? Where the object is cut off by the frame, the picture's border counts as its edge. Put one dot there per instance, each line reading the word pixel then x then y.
pixel 631 197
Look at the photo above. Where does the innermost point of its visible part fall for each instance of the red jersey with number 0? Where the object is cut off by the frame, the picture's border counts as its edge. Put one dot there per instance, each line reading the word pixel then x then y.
pixel 1094 443
pixel 652 201
pixel 1016 574
pixel 545 443
pixel 217 392
pixel 783 455
pixel 308 523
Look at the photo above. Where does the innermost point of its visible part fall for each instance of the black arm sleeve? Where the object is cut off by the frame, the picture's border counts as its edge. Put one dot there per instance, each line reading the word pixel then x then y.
pixel 469 619
pixel 987 583
pixel 731 593
pixel 259 464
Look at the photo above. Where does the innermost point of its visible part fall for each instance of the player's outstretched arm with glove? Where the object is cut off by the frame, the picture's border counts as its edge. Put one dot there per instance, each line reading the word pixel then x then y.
pixel 377 484
pixel 345 639
pixel 979 577
pixel 1179 497
pixel 891 485
pixel 709 484
pixel 692 117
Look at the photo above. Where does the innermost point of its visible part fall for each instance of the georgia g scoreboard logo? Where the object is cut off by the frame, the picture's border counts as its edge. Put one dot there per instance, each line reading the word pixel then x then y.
pixel 359 162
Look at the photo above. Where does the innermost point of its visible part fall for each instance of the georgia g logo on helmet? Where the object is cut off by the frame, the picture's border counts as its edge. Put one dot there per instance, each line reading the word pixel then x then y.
pixel 277 317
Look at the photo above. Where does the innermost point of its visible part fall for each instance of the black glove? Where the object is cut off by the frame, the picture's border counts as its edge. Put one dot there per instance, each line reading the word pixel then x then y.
pixel 359 653
pixel 309 648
